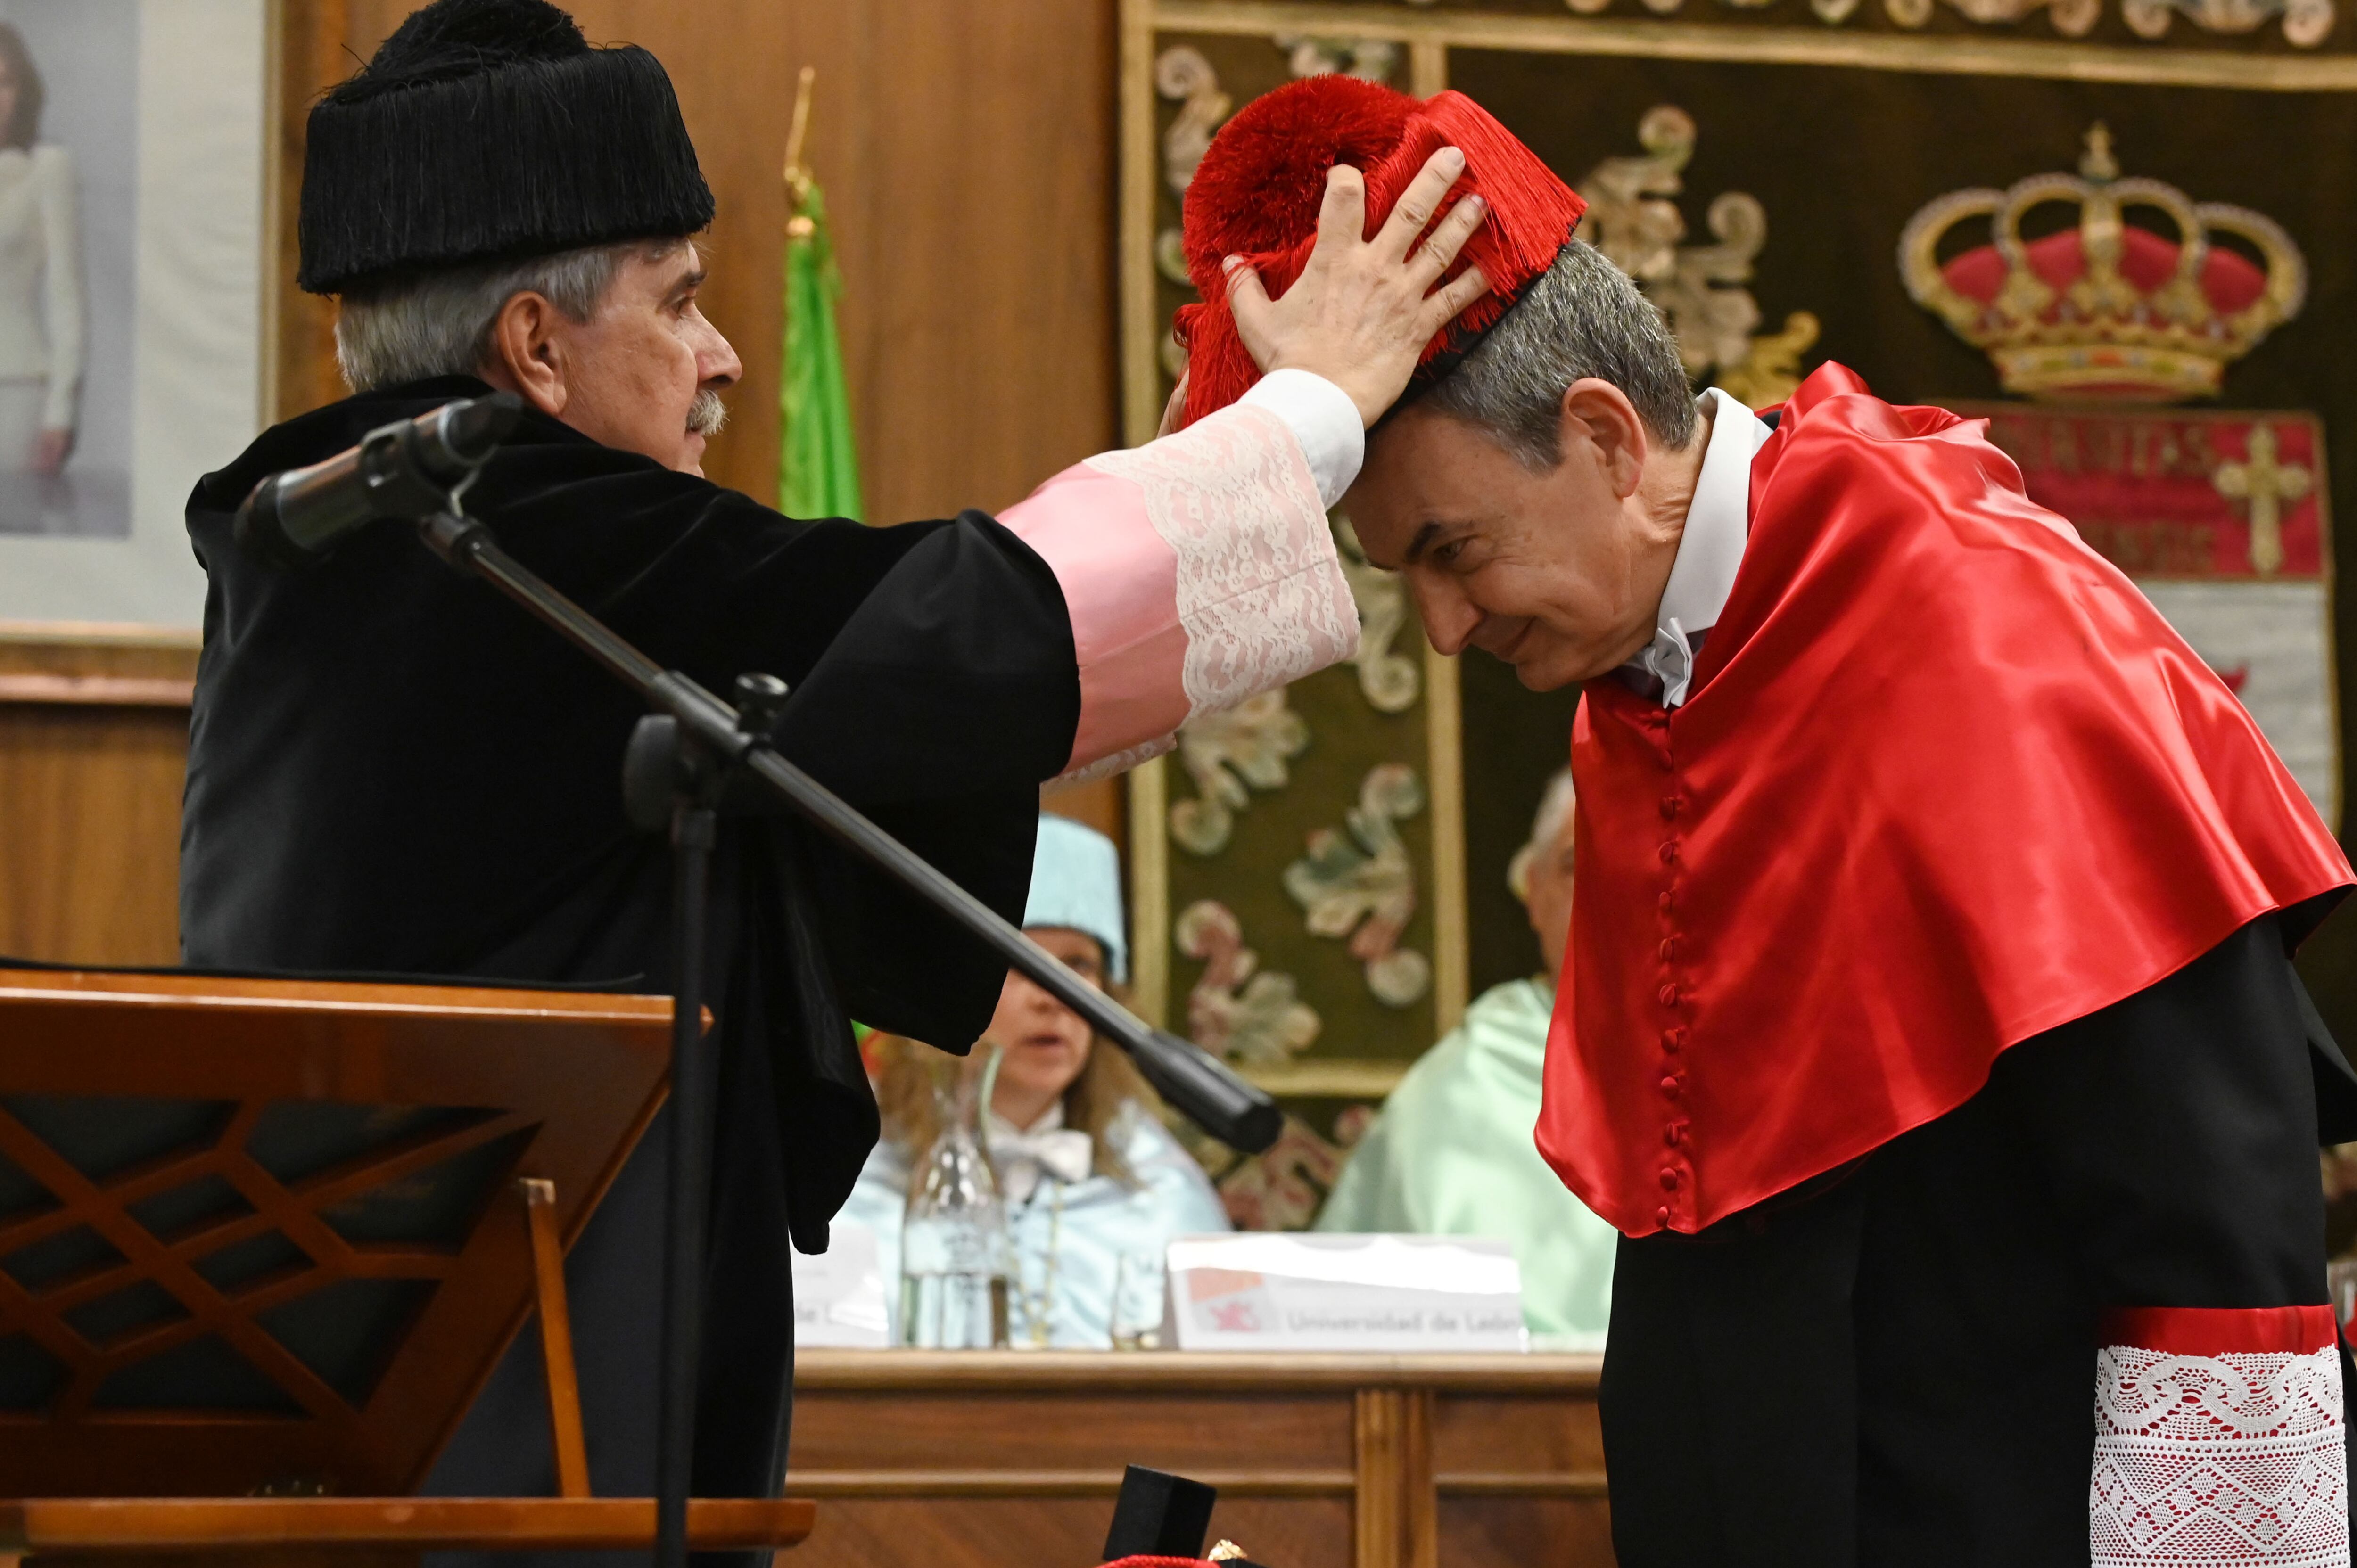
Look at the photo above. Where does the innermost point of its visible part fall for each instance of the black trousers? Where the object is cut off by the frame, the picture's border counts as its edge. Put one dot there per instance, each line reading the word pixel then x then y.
pixel 1895 1363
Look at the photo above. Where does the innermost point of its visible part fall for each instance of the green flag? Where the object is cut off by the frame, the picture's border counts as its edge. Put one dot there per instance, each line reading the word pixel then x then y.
pixel 818 465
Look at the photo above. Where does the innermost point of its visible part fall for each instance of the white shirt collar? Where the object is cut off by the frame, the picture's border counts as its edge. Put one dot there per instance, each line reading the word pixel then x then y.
pixel 1710 550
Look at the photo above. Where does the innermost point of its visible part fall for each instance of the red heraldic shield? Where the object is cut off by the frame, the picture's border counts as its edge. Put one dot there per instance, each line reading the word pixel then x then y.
pixel 1945 780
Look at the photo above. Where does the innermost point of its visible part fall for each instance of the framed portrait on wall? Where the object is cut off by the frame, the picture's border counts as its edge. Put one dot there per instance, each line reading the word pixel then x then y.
pixel 132 235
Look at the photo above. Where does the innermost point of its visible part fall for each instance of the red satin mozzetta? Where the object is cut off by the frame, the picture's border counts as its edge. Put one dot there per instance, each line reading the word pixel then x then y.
pixel 1944 781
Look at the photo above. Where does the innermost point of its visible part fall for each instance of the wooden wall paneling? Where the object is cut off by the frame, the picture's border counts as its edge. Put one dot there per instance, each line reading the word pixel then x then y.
pixel 1097 803
pixel 312 40
pixel 93 749
pixel 89 866
pixel 975 226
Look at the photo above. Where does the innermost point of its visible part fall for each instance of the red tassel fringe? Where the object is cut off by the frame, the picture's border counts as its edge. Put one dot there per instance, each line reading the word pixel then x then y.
pixel 1260 186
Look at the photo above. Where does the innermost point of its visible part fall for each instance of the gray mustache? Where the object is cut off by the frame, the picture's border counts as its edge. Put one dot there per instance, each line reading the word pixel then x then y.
pixel 708 415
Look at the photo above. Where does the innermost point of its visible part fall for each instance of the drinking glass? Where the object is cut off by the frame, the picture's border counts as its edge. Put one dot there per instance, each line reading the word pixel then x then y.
pixel 1135 1315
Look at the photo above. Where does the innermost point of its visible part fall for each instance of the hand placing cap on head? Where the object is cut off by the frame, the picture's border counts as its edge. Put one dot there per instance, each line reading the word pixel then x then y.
pixel 1259 189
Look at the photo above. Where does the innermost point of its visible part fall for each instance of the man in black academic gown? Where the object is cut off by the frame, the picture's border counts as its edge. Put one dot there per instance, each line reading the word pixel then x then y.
pixel 392 771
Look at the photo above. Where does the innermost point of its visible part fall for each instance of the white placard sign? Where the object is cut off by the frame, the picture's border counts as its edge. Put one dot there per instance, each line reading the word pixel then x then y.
pixel 1284 1292
pixel 839 1294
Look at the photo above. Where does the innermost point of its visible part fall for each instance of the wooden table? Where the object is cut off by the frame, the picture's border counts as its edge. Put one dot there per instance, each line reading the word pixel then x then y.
pixel 998 1458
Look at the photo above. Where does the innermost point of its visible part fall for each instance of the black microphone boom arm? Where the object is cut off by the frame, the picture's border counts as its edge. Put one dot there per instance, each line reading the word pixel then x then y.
pixel 1208 1091
pixel 416 469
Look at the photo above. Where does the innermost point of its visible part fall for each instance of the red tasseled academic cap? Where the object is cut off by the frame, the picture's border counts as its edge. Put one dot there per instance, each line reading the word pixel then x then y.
pixel 1257 192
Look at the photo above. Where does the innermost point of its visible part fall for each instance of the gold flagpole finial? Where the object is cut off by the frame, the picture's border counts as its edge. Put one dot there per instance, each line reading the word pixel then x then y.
pixel 797 176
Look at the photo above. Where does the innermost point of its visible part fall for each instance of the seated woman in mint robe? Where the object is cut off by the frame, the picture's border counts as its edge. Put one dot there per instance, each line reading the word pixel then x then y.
pixel 1095 1186
pixel 1452 1152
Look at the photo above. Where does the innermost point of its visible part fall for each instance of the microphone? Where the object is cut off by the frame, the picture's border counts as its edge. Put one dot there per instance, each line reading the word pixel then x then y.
pixel 407 469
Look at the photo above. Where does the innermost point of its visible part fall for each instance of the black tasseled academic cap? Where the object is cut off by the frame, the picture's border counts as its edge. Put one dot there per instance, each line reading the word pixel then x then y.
pixel 489 128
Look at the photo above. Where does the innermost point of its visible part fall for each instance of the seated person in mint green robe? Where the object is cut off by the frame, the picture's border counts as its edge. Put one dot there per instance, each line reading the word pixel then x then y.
pixel 1452 1154
pixel 1095 1186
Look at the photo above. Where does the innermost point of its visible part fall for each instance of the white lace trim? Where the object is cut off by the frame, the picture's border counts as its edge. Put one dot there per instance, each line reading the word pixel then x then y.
pixel 1119 762
pixel 1261 592
pixel 2219 1459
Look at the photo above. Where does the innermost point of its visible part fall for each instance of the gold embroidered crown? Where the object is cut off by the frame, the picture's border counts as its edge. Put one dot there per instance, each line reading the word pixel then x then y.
pixel 2110 311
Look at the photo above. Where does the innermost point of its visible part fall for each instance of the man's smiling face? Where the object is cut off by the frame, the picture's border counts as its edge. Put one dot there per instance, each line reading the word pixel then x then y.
pixel 1552 570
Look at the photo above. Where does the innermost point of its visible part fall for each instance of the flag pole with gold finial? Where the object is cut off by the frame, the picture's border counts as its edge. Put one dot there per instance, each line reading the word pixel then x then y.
pixel 797 176
pixel 818 463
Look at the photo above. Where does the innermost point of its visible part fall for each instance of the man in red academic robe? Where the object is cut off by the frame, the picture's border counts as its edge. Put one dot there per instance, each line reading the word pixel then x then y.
pixel 1935 1045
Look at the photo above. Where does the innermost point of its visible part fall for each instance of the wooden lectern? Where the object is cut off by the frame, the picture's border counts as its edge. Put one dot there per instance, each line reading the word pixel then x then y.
pixel 263 1241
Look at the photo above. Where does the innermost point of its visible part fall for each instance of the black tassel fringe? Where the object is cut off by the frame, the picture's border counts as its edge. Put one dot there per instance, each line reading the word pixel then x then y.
pixel 458 146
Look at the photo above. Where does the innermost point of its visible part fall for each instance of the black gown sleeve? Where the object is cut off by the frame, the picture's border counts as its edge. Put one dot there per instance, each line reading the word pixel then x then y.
pixel 394 770
pixel 934 687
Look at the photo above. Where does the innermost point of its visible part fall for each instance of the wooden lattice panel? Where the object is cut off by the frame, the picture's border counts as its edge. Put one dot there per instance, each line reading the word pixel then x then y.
pixel 259 1234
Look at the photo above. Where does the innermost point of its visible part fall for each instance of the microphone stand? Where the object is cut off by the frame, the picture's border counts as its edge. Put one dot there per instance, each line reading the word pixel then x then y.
pixel 680 758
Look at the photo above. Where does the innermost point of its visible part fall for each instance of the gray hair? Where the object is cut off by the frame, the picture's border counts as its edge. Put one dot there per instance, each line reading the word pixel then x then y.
pixel 440 323
pixel 1582 317
pixel 1554 806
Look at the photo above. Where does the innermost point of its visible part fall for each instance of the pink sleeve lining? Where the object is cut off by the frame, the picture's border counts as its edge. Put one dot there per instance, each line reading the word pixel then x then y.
pixel 1121 588
pixel 1198 570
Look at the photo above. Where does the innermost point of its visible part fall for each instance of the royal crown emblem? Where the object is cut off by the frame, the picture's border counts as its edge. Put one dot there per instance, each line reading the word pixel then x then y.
pixel 2113 310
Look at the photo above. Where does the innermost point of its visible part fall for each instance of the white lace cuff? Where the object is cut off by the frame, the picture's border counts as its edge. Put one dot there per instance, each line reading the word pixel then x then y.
pixel 2219 1441
pixel 1198 570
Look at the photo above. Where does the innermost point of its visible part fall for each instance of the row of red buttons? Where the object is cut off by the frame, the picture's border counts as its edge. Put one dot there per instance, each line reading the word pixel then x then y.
pixel 1673 1129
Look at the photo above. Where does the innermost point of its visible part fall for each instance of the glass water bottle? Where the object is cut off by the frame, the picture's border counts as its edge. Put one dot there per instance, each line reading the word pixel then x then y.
pixel 954 1251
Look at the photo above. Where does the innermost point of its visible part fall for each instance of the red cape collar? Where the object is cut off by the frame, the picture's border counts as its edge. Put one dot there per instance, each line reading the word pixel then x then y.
pixel 1945 780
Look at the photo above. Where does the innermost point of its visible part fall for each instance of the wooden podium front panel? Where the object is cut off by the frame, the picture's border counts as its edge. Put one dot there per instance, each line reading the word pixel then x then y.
pixel 1519 1478
pixel 252 1234
pixel 981 1458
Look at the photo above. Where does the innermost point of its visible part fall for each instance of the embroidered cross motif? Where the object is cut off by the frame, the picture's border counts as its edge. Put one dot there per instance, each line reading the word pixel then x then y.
pixel 2265 484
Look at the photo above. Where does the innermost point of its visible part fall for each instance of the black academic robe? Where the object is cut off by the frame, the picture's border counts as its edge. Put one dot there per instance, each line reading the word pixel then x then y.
pixel 1890 1358
pixel 1892 1365
pixel 394 770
